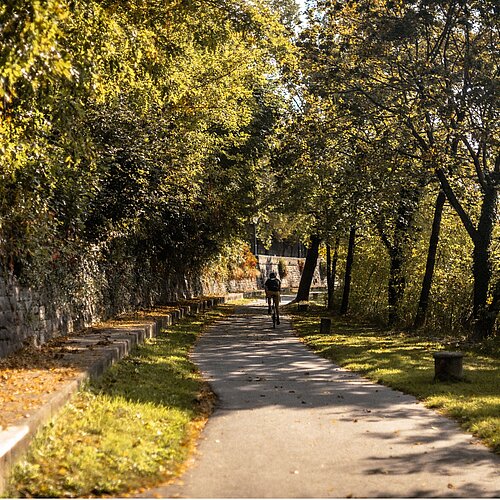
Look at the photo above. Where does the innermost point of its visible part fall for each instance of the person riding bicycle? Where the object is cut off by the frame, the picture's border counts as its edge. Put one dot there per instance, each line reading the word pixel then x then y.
pixel 272 286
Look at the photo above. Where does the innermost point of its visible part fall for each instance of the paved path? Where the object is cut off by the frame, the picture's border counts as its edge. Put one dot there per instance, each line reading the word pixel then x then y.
pixel 290 424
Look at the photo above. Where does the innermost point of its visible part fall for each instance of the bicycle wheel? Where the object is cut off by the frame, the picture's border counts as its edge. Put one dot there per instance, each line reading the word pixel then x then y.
pixel 276 310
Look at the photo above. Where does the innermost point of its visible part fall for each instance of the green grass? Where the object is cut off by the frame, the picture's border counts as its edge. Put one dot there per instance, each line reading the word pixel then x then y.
pixel 129 430
pixel 405 362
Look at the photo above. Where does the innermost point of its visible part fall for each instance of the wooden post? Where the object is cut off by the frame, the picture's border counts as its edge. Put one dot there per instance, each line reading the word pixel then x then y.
pixel 448 366
pixel 326 326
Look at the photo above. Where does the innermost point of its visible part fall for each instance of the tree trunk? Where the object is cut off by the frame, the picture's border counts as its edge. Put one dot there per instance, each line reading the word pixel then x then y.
pixel 397 284
pixel 348 271
pixel 407 205
pixel 331 266
pixel 484 316
pixel 431 260
pixel 308 271
pixel 329 274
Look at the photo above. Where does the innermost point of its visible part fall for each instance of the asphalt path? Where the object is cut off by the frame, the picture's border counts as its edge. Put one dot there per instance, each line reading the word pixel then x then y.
pixel 290 424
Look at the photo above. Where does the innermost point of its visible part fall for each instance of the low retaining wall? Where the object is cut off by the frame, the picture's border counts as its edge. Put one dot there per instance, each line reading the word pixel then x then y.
pixel 92 353
pixel 34 317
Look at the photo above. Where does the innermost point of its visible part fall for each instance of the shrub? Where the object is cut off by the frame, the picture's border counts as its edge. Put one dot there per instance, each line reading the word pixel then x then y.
pixel 300 265
pixel 282 268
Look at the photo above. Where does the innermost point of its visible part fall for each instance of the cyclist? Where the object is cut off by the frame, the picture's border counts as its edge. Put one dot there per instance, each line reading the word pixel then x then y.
pixel 272 286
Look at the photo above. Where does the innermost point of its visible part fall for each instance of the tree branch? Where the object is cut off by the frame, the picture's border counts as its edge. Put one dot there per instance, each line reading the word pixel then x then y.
pixel 455 203
pixel 420 140
pixel 477 163
pixel 383 236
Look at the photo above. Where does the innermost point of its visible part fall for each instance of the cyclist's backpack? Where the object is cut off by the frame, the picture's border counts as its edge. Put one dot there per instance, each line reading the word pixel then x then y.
pixel 273 285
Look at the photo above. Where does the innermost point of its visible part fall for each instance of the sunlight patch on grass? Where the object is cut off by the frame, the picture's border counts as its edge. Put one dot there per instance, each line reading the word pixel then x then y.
pixel 406 363
pixel 101 445
pixel 130 429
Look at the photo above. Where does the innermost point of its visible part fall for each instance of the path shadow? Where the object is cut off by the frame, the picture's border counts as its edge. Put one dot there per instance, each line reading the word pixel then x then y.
pixel 251 366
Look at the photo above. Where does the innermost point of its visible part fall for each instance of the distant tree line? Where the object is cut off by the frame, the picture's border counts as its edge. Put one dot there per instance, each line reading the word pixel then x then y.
pixel 391 158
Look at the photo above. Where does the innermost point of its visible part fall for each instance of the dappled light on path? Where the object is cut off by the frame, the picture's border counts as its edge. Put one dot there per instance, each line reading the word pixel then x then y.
pixel 291 424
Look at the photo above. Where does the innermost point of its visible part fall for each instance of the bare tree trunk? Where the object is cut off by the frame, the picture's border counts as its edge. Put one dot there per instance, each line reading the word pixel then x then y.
pixel 396 244
pixel 329 274
pixel 331 271
pixel 397 284
pixel 308 272
pixel 348 271
pixel 423 303
pixel 484 315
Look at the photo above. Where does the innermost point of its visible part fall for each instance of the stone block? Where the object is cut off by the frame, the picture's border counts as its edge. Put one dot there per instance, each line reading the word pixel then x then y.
pixel 5 303
pixel 8 325
pixel 325 326
pixel 448 366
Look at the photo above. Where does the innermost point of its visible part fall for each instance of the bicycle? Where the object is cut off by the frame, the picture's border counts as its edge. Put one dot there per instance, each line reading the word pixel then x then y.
pixel 275 312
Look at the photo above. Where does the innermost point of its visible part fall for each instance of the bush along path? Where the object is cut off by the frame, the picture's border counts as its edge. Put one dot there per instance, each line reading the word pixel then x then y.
pixel 289 423
pixel 131 428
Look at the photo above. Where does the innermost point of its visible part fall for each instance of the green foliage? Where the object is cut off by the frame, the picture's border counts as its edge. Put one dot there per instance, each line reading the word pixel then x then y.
pixel 450 309
pixel 282 268
pixel 133 123
pixel 384 112
pixel 234 262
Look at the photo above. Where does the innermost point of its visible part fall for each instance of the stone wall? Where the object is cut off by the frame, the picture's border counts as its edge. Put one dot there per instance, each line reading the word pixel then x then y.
pixel 94 293
pixel 293 267
pixel 89 294
pixel 28 315
pixel 23 317
pixel 265 265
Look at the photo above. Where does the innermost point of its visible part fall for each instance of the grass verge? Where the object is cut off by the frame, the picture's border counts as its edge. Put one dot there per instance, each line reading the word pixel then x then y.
pixel 405 362
pixel 129 430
